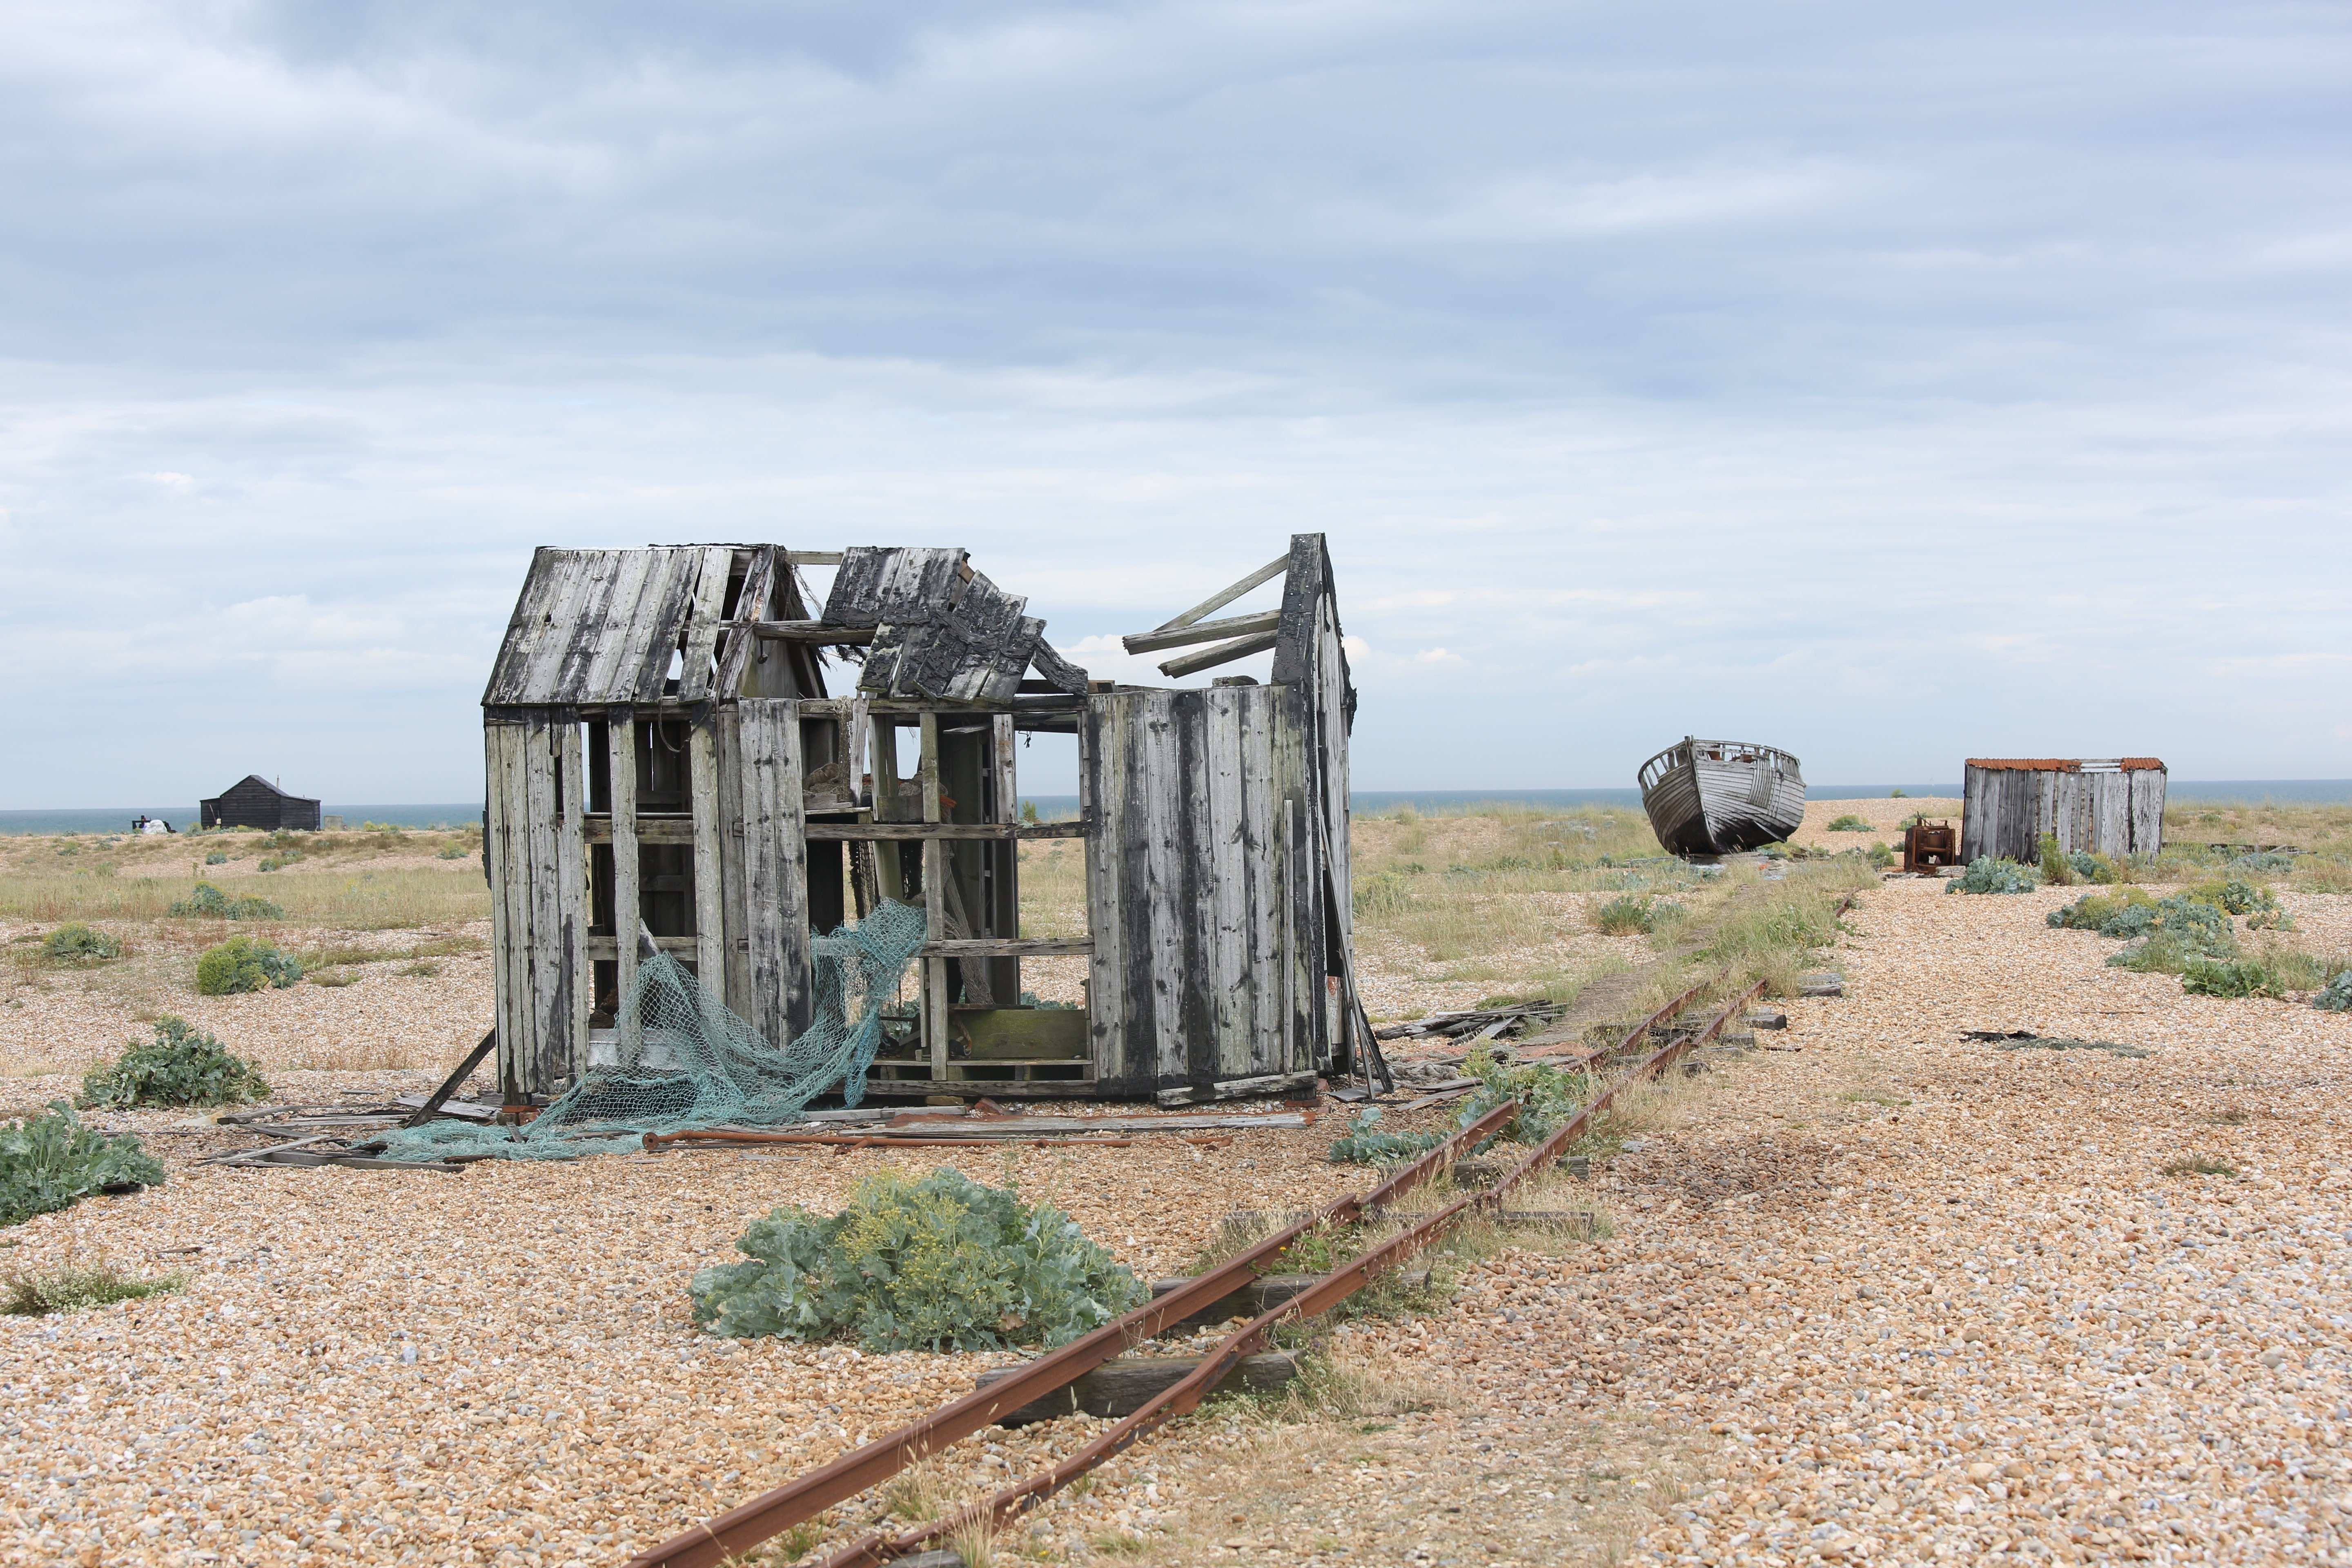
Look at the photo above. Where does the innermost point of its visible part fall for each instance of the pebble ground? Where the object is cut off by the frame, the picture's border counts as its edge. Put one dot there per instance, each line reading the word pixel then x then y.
pixel 1883 1295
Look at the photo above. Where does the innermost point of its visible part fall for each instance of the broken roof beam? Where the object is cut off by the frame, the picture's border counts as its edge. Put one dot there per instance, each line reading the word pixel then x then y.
pixel 1223 653
pixel 815 632
pixel 1224 597
pixel 1204 631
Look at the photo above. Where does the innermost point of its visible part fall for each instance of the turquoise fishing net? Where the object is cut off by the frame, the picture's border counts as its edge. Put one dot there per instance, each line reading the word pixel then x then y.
pixel 682 1059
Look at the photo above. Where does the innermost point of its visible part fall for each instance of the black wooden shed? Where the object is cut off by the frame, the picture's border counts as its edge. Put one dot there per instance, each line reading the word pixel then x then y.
pixel 254 802
pixel 667 762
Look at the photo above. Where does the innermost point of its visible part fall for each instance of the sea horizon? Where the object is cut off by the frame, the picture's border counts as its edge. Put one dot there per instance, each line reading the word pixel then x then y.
pixel 458 813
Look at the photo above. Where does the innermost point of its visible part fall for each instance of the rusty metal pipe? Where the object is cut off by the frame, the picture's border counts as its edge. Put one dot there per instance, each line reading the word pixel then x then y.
pixel 742 1528
pixel 873 1548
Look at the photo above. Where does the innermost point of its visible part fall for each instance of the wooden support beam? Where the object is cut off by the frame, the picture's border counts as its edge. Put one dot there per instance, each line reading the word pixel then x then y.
pixel 870 831
pixel 1203 631
pixel 935 880
pixel 815 632
pixel 628 905
pixel 1224 597
pixel 709 893
pixel 643 830
pixel 813 557
pixel 1008 947
pixel 1223 653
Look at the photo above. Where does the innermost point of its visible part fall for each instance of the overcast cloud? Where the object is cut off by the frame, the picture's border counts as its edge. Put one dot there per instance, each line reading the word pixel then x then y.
pixel 1892 384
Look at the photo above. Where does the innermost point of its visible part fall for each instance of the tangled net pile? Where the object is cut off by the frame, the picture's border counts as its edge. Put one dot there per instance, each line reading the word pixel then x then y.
pixel 684 1060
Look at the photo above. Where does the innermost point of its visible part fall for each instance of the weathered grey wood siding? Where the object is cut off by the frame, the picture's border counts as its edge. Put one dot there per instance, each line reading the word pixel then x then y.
pixel 2101 811
pixel 539 900
pixel 768 920
pixel 1191 882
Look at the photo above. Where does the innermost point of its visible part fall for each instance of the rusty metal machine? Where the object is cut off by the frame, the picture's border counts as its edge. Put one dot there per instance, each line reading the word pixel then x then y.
pixel 1926 844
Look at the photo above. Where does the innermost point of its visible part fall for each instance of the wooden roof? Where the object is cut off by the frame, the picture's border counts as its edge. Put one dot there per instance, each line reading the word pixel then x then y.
pixel 601 626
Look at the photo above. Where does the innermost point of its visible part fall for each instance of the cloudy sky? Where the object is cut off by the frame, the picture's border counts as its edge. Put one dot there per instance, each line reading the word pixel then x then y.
pixel 1894 383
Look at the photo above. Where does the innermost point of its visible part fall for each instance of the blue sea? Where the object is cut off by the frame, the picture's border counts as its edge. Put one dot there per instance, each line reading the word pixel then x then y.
pixel 117 819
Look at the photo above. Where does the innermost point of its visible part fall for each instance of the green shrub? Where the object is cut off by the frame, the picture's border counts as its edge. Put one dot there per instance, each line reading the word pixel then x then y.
pixel 244 964
pixel 51 1161
pixel 1626 914
pixel 275 862
pixel 1849 823
pixel 2092 911
pixel 216 858
pixel 209 902
pixel 460 852
pixel 2237 895
pixel 2336 995
pixel 1879 856
pixel 75 943
pixel 181 1066
pixel 1897 794
pixel 943 1263
pixel 1549 1096
pixel 2238 977
pixel 72 1288
pixel 1364 1145
pixel 2056 869
pixel 2197 926
pixel 2158 954
pixel 1986 875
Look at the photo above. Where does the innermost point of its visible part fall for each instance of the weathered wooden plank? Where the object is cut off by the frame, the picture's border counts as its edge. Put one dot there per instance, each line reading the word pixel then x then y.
pixel 510 924
pixel 710 887
pixel 1227 594
pixel 650 830
pixel 550 1005
pixel 1203 631
pixel 1105 1014
pixel 701 631
pixel 573 908
pixel 735 863
pixel 610 674
pixel 935 880
pixel 738 641
pixel 1156 767
pixel 999 831
pixel 816 632
pixel 1223 653
pixel 1007 947
pixel 628 904
pixel 1261 895
pixel 1004 862
pixel 1219 843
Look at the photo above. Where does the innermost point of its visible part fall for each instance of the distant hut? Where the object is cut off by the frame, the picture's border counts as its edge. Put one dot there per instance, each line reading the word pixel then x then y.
pixel 2110 806
pixel 254 802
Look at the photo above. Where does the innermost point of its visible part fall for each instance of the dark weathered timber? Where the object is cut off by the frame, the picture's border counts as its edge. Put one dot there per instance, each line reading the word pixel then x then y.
pixel 456 1080
pixel 1203 631
pixel 1124 1385
pixel 254 802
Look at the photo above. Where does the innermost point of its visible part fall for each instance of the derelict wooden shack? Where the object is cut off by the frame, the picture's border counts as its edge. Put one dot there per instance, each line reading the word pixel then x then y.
pixel 2110 806
pixel 665 752
pixel 254 802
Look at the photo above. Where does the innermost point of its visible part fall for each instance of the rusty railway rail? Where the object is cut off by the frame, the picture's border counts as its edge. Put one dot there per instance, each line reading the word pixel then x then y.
pixel 875 1549
pixel 803 1498
pixel 742 1528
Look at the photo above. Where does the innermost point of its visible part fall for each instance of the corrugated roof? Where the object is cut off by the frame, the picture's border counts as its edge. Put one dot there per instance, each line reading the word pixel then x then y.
pixel 2064 764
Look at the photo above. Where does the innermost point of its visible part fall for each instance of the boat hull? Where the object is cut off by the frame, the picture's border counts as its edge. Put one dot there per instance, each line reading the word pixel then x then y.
pixel 1720 797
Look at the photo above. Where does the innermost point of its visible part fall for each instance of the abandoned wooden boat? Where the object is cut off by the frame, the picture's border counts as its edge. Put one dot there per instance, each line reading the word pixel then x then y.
pixel 1718 797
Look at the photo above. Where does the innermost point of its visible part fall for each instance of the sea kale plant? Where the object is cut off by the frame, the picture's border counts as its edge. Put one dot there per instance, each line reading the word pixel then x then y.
pixel 943 1263
pixel 1988 875
pixel 209 902
pixel 181 1066
pixel 51 1161
pixel 244 964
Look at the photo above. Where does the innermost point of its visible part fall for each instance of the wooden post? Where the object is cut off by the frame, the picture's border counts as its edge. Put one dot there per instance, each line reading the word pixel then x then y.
pixel 709 900
pixel 935 877
pixel 628 911
pixel 575 907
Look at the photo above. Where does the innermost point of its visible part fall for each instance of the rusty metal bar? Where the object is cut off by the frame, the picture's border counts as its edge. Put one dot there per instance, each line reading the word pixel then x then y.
pixel 873 1549
pixel 874 1140
pixel 742 1528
